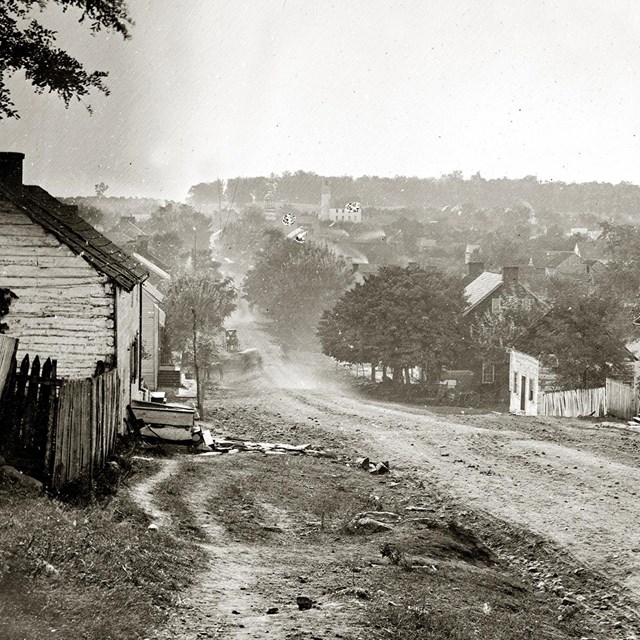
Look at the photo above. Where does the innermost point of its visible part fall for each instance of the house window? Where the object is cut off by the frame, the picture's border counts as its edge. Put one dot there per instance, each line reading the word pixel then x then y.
pixel 495 305
pixel 515 382
pixel 532 385
pixel 488 373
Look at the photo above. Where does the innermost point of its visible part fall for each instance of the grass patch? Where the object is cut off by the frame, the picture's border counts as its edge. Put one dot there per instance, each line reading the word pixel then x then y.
pixel 172 496
pixel 259 497
pixel 437 579
pixel 91 572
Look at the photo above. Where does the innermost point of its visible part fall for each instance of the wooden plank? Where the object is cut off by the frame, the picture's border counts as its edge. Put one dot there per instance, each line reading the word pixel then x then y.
pixel 27 271
pixel 28 241
pixel 58 460
pixel 17 281
pixel 51 429
pixel 13 219
pixel 30 412
pixel 8 348
pixel 23 231
pixel 44 263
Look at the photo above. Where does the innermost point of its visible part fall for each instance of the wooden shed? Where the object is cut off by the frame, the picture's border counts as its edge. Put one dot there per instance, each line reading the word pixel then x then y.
pixel 79 295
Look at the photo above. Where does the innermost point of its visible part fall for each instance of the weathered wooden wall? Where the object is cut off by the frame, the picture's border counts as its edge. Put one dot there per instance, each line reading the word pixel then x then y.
pixel 128 308
pixel 150 337
pixel 63 305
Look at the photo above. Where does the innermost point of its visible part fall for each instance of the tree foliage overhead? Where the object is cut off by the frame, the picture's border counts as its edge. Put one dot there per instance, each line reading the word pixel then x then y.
pixel 580 338
pixel 28 46
pixel 398 317
pixel 294 283
pixel 495 331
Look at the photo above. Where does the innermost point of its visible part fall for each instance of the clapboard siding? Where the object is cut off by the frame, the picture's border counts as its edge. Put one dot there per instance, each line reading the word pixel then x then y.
pixel 65 308
pixel 150 340
pixel 127 342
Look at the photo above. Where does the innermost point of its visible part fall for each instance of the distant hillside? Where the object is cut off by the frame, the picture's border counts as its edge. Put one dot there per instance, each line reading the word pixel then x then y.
pixel 598 198
pixel 115 207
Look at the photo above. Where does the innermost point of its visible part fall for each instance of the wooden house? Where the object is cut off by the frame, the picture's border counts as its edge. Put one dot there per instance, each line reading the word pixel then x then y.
pixel 79 295
pixel 488 293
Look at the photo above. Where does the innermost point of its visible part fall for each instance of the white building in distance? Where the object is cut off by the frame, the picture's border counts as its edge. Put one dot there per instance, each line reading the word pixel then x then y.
pixel 346 214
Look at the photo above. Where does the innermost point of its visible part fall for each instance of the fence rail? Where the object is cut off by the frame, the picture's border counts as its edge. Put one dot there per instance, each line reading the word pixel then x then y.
pixel 615 399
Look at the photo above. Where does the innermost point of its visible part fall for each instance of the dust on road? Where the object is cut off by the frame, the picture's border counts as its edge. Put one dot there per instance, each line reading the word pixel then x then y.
pixel 562 479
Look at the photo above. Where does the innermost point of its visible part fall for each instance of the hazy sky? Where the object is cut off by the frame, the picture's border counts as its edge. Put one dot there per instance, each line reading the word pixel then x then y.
pixel 209 88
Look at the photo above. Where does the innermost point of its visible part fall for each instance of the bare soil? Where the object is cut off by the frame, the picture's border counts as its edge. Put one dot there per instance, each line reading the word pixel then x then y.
pixel 554 501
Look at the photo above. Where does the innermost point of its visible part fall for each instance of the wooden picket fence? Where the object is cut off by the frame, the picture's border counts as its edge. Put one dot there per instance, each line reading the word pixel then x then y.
pixel 87 424
pixel 28 413
pixel 621 399
pixel 574 403
pixel 57 430
pixel 614 399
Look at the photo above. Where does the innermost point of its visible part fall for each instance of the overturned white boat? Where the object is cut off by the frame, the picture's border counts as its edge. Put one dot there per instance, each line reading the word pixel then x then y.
pixel 171 423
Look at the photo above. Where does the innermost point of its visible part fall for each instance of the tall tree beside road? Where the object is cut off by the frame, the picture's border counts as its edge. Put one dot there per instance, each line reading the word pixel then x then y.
pixel 293 284
pixel 399 317
pixel 580 339
pixel 29 47
pixel 197 304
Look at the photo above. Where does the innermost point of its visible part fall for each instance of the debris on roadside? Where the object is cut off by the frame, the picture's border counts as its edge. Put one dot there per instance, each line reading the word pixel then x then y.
pixel 357 592
pixel 218 446
pixel 363 524
pixel 304 603
pixel 374 468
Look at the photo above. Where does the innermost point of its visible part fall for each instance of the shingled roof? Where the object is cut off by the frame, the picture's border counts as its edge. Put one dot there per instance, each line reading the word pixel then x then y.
pixel 477 290
pixel 64 222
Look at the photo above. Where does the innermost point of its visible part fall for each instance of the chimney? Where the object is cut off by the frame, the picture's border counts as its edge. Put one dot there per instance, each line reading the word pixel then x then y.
pixel 510 275
pixel 475 268
pixel 11 168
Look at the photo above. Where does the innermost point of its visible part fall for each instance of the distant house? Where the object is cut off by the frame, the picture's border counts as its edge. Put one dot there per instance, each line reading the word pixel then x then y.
pixel 127 234
pixel 79 295
pixel 342 214
pixel 488 293
pixel 153 322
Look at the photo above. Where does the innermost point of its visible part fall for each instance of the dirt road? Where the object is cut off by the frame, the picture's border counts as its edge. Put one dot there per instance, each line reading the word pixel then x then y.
pixel 556 500
pixel 568 481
